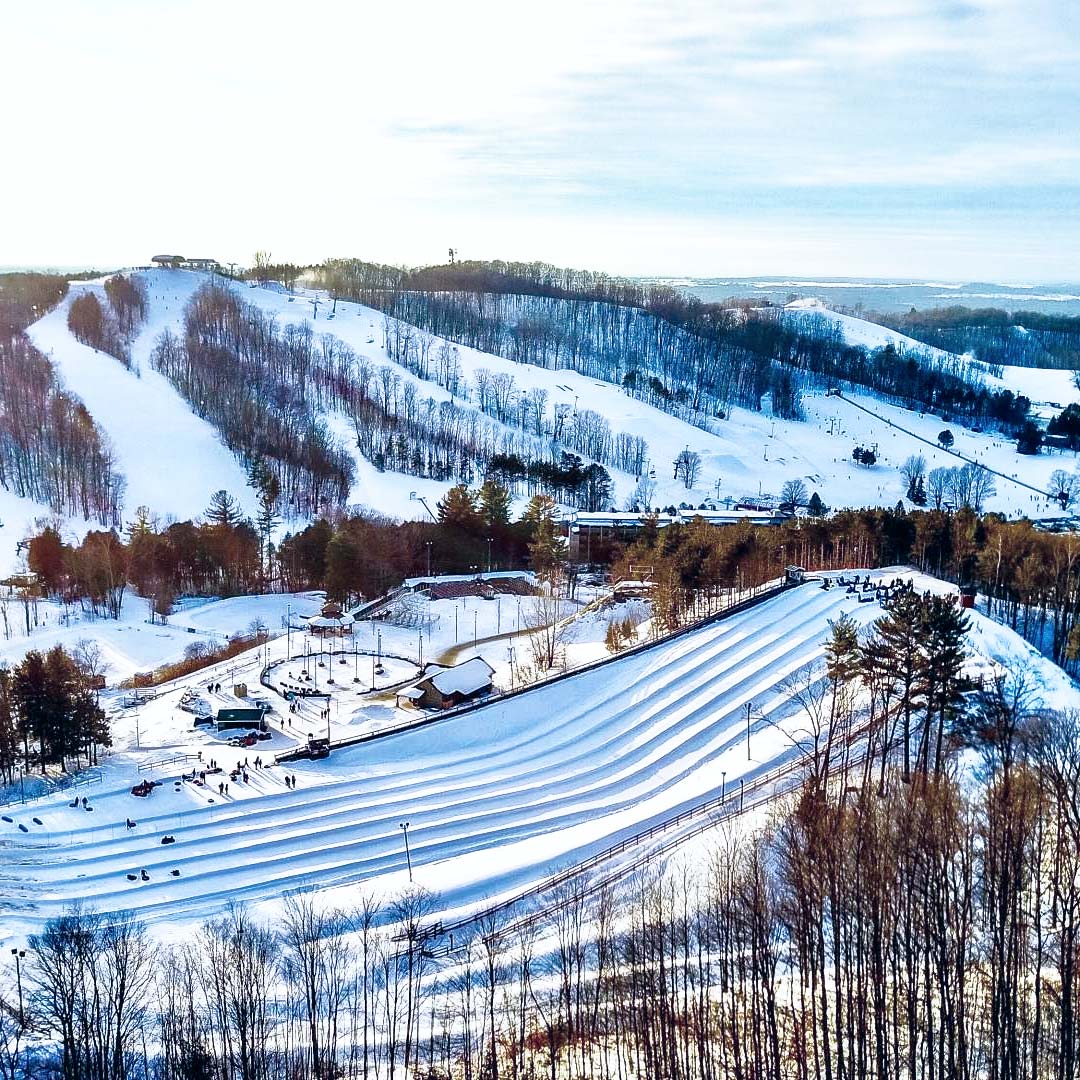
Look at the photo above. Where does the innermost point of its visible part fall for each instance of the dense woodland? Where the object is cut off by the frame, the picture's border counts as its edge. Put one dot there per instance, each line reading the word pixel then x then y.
pixel 50 448
pixel 993 336
pixel 267 390
pixel 25 297
pixel 674 351
pixel 110 327
pixel 892 920
pixel 49 713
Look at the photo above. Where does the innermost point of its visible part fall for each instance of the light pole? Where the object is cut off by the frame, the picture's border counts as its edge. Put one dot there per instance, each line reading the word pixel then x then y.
pixel 723 785
pixel 19 954
pixel 408 857
pixel 748 707
pixel 427 544
pixel 356 661
pixel 510 657
pixel 489 539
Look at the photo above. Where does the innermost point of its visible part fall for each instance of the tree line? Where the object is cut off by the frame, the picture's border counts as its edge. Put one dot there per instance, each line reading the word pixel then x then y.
pixel 50 448
pixel 673 350
pixel 993 336
pixel 218 555
pixel 112 327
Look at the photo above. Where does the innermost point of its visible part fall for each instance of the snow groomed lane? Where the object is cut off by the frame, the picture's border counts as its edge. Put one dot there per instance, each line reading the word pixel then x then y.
pixel 612 747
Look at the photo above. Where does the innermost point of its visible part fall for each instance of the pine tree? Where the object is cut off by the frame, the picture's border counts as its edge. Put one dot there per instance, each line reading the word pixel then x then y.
pixel 494 504
pixel 842 660
pixel 223 510
pixel 900 632
pixel 945 626
pixel 458 507
pixel 268 487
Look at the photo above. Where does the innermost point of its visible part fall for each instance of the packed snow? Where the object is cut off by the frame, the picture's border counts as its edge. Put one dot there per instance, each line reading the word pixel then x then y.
pixel 496 798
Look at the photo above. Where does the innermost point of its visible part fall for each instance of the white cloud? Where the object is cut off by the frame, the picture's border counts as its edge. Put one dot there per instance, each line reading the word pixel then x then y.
pixel 767 135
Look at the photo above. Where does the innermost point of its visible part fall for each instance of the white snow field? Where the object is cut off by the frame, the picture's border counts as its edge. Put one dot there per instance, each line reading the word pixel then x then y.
pixel 496 798
pixel 132 643
pixel 173 461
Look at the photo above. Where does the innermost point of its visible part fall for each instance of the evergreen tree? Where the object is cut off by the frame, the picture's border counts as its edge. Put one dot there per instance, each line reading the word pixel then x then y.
pixel 9 736
pixel 343 558
pixel 268 487
pixel 944 628
pixel 842 661
pixel 46 558
pixel 900 634
pixel 223 510
pixel 494 502
pixel 458 507
pixel 30 701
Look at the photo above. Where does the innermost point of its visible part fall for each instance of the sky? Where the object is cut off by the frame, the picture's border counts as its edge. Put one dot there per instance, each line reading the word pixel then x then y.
pixel 884 138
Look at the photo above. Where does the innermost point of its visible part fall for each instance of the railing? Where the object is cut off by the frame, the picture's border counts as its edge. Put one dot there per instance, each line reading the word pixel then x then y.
pixel 86 778
pixel 174 760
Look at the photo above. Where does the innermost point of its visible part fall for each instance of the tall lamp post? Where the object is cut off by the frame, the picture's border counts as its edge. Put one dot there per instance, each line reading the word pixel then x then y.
pixel 404 826
pixel 19 954
pixel 489 540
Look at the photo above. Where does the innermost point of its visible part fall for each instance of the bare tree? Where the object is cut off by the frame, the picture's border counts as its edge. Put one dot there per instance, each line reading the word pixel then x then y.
pixel 794 493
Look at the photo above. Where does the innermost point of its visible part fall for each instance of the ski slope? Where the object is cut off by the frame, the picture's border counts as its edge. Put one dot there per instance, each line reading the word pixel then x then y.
pixel 496 798
pixel 172 461
pixel 158 438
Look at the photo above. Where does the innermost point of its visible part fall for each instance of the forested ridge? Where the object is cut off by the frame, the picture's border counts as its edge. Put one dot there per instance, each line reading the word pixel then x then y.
pixel 674 351
pixel 268 390
pixel 993 336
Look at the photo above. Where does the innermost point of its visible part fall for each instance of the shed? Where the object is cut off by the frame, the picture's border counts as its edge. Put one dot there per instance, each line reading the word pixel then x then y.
pixel 443 687
pixel 227 719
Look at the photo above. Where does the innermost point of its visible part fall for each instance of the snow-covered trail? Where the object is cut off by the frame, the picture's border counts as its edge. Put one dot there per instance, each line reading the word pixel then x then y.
pixel 568 770
pixel 172 460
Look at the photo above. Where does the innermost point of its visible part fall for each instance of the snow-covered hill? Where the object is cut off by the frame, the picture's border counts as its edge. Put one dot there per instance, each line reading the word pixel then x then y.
pixel 496 798
pixel 173 460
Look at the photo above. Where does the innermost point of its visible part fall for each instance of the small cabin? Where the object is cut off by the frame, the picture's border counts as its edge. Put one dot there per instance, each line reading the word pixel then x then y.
pixel 444 687
pixel 229 719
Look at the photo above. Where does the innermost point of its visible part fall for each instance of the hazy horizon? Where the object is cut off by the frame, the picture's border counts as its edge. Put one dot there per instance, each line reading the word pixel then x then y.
pixel 914 139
